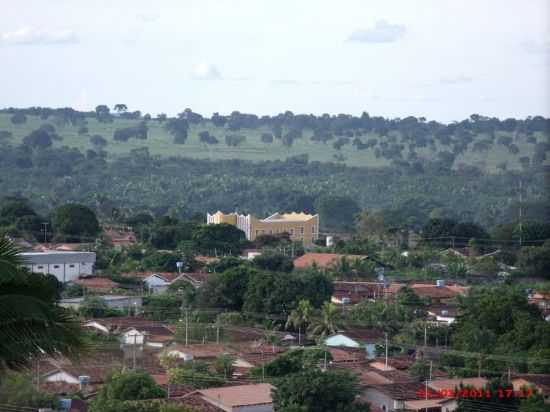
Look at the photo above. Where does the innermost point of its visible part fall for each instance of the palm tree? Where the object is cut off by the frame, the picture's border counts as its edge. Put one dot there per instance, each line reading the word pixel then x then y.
pixel 31 324
pixel 326 324
pixel 300 317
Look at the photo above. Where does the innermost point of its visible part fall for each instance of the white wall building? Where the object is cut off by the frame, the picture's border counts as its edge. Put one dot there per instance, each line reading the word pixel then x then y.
pixel 121 302
pixel 65 266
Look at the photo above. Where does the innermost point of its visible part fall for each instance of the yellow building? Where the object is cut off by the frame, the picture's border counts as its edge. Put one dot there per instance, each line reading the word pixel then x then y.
pixel 301 227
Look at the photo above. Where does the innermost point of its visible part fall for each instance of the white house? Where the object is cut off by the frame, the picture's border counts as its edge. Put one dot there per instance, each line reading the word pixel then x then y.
pixel 65 266
pixel 157 283
pixel 150 335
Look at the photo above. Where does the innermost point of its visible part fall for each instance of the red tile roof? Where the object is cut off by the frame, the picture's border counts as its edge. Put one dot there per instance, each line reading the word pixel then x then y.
pixel 435 292
pixel 321 260
pixel 98 283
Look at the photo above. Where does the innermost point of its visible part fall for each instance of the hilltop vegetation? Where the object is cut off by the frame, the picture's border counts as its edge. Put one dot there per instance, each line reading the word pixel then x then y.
pixel 410 168
pixel 487 143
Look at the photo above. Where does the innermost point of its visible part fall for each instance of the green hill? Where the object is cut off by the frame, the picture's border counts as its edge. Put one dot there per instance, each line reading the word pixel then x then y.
pixel 492 154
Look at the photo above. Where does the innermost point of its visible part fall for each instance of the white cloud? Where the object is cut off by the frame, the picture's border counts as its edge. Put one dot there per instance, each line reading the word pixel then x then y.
pixel 147 17
pixel 382 32
pixel 460 79
pixel 206 71
pixel 30 36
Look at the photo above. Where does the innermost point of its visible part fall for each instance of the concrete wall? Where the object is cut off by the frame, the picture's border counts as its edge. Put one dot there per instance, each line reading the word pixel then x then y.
pixel 254 408
pixel 378 400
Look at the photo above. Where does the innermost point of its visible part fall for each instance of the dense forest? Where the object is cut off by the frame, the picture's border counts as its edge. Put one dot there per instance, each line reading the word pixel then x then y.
pixel 429 169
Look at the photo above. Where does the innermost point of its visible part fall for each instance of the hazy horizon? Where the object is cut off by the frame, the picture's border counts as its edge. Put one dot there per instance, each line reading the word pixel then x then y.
pixel 440 60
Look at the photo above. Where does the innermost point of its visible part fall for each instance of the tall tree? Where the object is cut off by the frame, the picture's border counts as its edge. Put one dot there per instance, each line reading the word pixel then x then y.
pixel 75 222
pixel 31 324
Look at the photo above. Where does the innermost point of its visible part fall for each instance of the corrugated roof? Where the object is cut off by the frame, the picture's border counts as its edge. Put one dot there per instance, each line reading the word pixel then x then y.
pixel 242 395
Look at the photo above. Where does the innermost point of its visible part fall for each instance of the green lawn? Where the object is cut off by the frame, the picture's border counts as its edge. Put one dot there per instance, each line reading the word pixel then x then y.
pixel 160 142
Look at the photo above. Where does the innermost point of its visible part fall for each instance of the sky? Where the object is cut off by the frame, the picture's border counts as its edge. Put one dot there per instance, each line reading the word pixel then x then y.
pixel 441 59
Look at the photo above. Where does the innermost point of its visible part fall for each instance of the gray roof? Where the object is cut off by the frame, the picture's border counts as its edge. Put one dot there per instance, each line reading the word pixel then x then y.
pixel 56 257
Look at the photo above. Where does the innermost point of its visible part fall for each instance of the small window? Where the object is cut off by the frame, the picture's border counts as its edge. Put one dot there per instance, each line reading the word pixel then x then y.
pixel 56 266
pixel 302 230
pixel 40 267
pixel 71 266
pixel 313 229
pixel 291 232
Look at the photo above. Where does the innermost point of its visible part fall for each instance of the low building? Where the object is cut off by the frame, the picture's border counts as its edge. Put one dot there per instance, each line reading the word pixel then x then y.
pixel 155 282
pixel 399 396
pixel 65 266
pixel 242 398
pixel 120 302
pixel 301 227
pixel 97 284
pixel 150 335
pixel 203 352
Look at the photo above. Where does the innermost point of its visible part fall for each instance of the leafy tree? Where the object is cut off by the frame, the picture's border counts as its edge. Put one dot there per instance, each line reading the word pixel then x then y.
pixel 535 260
pixel 94 307
pixel 161 261
pixel 267 138
pixel 194 374
pixel 75 222
pixel 103 113
pixel 337 212
pixel 227 289
pixel 300 317
pixel 293 361
pixel 274 262
pixel 31 324
pixel 178 128
pixel 326 324
pixel 18 118
pixel 438 228
pixel 317 391
pixel 120 108
pixel 98 141
pixel 222 238
pixel 499 320
pixel 224 366
pixel 18 391
pixel 371 225
pixel 125 386
pixel 408 297
pixel 224 263
pixel 38 139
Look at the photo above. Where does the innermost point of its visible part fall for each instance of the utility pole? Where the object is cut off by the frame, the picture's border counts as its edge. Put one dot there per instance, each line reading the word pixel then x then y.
pixel 186 326
pixel 134 352
pixel 386 350
pixel 425 335
pixel 45 224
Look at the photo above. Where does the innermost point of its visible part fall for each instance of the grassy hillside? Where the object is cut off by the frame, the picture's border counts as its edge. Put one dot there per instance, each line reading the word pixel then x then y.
pixel 160 142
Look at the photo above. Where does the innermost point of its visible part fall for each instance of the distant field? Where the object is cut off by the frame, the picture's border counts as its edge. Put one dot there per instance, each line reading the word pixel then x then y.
pixel 160 142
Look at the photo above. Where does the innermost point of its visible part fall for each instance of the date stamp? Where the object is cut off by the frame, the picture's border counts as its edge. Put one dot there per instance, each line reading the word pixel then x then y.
pixel 475 393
